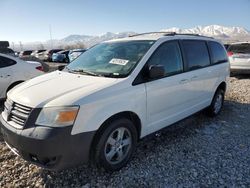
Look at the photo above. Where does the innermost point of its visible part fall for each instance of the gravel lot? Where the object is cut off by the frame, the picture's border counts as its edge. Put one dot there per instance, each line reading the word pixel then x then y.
pixel 197 152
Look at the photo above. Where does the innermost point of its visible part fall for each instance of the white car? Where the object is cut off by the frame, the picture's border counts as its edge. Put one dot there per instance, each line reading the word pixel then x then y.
pixel 13 71
pixel 115 93
pixel 239 57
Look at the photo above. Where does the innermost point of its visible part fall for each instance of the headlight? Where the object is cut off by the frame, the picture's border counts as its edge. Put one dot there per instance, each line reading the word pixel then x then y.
pixel 57 116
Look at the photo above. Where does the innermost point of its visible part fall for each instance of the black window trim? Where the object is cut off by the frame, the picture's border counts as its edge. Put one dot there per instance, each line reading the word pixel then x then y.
pixel 13 62
pixel 140 78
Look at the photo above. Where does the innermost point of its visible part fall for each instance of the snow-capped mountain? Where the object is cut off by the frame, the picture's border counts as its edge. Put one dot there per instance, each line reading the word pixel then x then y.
pixel 107 36
pixel 220 32
pixel 91 40
pixel 217 31
pixel 76 38
pixel 226 34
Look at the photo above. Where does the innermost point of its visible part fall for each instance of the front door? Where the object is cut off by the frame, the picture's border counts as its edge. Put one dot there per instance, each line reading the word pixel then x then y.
pixel 168 97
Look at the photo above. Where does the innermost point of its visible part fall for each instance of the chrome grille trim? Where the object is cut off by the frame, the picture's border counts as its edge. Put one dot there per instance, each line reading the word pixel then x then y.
pixel 17 114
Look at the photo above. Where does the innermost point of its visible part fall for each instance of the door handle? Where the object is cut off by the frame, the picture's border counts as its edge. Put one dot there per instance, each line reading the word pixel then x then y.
pixel 183 81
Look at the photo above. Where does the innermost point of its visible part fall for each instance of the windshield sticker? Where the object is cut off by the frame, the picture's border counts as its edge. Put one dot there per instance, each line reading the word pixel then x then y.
pixel 122 62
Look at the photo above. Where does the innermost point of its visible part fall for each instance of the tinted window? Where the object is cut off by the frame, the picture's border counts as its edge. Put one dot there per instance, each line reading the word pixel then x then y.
pixel 27 52
pixel 7 51
pixel 218 53
pixel 5 62
pixel 196 53
pixel 240 48
pixel 168 55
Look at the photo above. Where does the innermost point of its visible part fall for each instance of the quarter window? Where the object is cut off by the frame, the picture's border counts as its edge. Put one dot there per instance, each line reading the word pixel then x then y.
pixel 5 62
pixel 196 54
pixel 218 53
pixel 168 55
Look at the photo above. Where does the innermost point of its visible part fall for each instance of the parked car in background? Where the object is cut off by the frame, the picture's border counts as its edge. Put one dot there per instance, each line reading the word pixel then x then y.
pixel 112 95
pixel 7 51
pixel 61 56
pixel 25 53
pixel 45 66
pixel 36 52
pixel 17 54
pixel 4 44
pixel 47 55
pixel 239 56
pixel 73 54
pixel 13 71
pixel 4 48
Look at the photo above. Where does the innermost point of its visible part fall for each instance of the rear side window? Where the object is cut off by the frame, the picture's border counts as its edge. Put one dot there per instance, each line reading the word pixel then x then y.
pixel 27 52
pixel 6 62
pixel 218 53
pixel 7 51
pixel 240 48
pixel 196 53
pixel 168 55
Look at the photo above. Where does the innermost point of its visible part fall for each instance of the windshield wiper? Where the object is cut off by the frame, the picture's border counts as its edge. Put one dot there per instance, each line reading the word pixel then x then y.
pixel 81 71
pixel 112 75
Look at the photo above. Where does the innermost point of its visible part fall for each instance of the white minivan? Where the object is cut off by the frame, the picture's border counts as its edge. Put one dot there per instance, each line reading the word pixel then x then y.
pixel 101 104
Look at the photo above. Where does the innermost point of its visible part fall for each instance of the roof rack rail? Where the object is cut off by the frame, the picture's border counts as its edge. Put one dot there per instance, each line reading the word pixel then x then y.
pixel 193 34
pixel 148 33
pixel 164 33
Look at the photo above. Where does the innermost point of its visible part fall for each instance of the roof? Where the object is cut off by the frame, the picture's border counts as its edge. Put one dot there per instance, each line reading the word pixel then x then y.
pixel 157 35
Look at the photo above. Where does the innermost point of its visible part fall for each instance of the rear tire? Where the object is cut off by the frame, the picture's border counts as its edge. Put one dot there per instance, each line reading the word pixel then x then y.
pixel 217 103
pixel 115 145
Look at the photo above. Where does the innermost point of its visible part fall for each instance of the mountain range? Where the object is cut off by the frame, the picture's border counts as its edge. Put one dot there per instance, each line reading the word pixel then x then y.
pixel 223 33
pixel 220 32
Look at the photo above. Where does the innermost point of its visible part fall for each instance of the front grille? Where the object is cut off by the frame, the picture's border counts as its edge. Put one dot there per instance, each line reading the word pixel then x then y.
pixel 16 114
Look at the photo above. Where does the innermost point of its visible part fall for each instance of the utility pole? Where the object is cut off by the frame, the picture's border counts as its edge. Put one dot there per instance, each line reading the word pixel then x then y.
pixel 50 33
pixel 13 46
pixel 21 46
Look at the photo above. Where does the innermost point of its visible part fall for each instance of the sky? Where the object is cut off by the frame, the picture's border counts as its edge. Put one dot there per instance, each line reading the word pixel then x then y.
pixel 30 20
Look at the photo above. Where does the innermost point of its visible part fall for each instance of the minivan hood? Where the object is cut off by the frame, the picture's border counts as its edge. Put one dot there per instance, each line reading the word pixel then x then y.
pixel 41 90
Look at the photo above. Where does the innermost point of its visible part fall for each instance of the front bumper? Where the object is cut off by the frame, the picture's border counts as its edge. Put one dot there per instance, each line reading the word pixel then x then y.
pixel 52 148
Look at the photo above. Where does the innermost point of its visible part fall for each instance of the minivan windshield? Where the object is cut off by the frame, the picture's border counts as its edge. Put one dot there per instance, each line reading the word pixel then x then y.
pixel 110 59
pixel 240 48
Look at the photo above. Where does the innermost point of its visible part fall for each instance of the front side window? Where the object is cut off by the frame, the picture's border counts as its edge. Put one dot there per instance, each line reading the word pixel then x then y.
pixel 6 62
pixel 196 53
pixel 218 53
pixel 168 55
pixel 111 59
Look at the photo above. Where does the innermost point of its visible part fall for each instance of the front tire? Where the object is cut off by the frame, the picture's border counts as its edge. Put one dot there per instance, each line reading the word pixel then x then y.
pixel 116 145
pixel 217 103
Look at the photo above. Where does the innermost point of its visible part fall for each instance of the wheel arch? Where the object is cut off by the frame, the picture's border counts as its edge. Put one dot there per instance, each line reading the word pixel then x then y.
pixel 125 114
pixel 222 86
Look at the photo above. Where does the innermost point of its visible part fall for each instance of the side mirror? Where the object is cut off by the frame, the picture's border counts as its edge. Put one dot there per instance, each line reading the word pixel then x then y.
pixel 156 71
